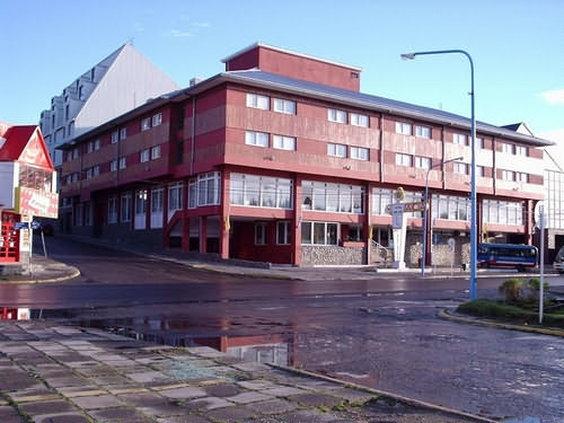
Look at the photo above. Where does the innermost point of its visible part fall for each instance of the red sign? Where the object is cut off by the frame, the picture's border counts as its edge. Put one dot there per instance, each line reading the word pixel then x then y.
pixel 37 203
pixel 34 153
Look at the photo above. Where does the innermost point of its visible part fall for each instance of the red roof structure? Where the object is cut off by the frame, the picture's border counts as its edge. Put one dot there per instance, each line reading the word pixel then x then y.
pixel 26 144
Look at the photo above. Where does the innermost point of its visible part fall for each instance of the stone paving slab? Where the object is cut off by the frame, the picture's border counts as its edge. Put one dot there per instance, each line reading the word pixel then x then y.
pixel 52 373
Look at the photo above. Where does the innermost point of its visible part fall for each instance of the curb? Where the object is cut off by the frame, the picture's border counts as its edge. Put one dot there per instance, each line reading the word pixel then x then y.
pixel 75 273
pixel 407 400
pixel 448 315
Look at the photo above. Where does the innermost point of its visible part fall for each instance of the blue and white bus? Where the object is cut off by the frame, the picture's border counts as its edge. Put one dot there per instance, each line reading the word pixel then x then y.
pixel 507 255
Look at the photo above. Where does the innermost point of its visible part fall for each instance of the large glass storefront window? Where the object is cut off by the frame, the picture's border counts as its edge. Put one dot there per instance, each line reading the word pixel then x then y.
pixel 341 198
pixel 450 207
pixel 502 212
pixel 260 191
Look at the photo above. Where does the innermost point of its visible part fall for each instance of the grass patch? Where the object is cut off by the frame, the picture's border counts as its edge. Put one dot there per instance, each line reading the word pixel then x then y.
pixel 512 313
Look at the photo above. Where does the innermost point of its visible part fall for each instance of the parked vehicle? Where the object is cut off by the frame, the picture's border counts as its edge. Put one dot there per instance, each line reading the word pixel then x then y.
pixel 559 261
pixel 507 255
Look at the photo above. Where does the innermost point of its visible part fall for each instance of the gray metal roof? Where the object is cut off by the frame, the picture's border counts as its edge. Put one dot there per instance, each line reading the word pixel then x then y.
pixel 367 101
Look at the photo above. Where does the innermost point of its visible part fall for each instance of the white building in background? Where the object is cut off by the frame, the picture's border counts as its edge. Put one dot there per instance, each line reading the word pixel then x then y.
pixel 121 82
pixel 554 193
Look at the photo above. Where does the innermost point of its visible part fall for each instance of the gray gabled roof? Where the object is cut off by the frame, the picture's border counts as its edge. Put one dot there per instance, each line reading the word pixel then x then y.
pixel 361 100
pixel 272 81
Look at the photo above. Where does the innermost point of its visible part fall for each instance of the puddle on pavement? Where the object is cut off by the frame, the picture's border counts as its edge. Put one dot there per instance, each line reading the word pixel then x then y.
pixel 268 348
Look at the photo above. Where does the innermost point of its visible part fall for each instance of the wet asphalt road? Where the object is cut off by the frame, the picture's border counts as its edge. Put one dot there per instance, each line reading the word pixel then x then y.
pixel 382 333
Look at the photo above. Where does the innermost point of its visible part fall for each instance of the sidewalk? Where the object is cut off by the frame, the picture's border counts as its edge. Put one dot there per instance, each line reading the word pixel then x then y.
pixel 263 270
pixel 53 373
pixel 44 270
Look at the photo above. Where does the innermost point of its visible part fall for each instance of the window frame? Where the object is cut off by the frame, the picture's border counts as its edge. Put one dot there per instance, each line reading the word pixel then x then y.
pixel 336 147
pixel 260 235
pixel 284 110
pixel 252 137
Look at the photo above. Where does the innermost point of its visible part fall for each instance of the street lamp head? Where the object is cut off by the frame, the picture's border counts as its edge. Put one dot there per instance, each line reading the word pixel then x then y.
pixel 408 56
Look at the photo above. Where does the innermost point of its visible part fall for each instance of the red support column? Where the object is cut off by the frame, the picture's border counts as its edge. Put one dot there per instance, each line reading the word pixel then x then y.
pixel 203 234
pixel 224 224
pixel 297 222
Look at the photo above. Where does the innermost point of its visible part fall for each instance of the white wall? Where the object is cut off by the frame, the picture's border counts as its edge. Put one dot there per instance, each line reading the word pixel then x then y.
pixel 9 181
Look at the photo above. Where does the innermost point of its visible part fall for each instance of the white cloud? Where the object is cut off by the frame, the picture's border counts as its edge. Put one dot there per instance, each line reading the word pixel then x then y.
pixel 179 34
pixel 188 28
pixel 553 96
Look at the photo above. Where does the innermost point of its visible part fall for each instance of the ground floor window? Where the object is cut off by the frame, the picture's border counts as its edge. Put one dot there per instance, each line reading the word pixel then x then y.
pixel 112 209
pixel 126 208
pixel 88 213
pixel 354 233
pixel 283 232
pixel 320 233
pixel 260 233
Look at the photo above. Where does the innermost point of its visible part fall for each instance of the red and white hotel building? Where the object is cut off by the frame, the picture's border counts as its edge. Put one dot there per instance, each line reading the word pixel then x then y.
pixel 282 159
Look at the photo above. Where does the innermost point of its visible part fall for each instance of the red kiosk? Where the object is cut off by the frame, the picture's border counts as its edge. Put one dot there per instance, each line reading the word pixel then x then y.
pixel 27 190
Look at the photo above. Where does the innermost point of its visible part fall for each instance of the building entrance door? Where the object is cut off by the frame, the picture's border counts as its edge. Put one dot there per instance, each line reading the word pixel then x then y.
pixel 9 239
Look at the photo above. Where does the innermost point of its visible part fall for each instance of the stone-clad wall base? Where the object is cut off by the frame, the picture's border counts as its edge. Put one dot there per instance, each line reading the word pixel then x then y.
pixel 332 255
pixel 441 253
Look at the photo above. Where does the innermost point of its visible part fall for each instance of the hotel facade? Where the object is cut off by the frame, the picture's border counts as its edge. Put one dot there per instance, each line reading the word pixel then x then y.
pixel 282 159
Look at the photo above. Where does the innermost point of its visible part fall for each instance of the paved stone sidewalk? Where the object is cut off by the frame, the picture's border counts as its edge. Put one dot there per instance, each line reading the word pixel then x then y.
pixel 63 374
pixel 44 270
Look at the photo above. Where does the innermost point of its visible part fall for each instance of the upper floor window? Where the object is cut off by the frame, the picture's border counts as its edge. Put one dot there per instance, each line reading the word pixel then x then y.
pixel 480 143
pixel 257 101
pixel 80 93
pixel 507 148
pixel 358 119
pixel 460 139
pixel 156 152
pixel 145 124
pixel 521 151
pixel 144 155
pixel 122 162
pixel 404 128
pixel 337 150
pixel 113 165
pixel 508 175
pixel 284 106
pixel 123 133
pixel 93 146
pixel 422 131
pixel 422 162
pixel 283 143
pixel 404 160
pixel 115 136
pixel 480 171
pixel 157 119
pixel 521 177
pixel 335 115
pixel 258 139
pixel 359 153
pixel 460 168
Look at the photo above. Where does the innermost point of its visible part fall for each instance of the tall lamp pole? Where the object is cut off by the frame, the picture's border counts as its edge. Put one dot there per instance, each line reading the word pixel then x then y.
pixel 473 213
pixel 425 210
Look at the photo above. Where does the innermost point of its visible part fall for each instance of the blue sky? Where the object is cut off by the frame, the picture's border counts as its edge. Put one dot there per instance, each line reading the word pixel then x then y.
pixel 517 45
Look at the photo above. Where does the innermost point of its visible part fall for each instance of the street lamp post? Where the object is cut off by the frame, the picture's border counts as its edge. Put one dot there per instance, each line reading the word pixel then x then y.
pixel 425 211
pixel 473 213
